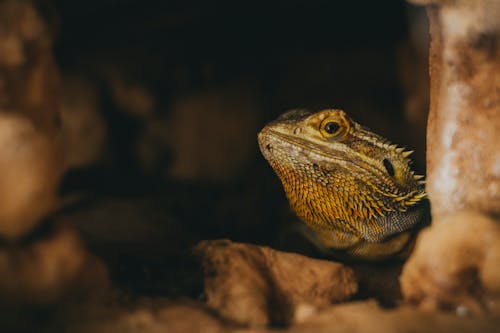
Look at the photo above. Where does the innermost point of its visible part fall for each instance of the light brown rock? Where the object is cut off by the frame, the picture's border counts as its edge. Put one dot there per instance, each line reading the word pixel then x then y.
pixel 455 265
pixel 355 317
pixel 257 286
pixel 154 316
pixel 29 79
pixel 464 122
pixel 49 266
pixel 30 169
pixel 31 161
pixel 368 317
pixel 455 261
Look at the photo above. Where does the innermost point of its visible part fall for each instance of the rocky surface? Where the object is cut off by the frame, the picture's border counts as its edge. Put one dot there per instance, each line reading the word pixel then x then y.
pixel 31 166
pixel 152 316
pixel 258 286
pixel 31 163
pixel 462 167
pixel 42 259
pixel 176 122
pixel 455 265
pixel 29 79
pixel 144 315
pixel 367 316
pixel 51 265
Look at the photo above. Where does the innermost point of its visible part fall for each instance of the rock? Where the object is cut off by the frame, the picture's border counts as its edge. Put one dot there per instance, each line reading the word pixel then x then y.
pixel 464 125
pixel 455 265
pixel 29 79
pixel 160 315
pixel 30 161
pixel 51 265
pixel 30 169
pixel 149 316
pixel 257 286
pixel 368 317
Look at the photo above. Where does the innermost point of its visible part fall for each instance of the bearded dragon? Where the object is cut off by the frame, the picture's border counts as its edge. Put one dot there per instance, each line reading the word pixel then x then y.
pixel 354 189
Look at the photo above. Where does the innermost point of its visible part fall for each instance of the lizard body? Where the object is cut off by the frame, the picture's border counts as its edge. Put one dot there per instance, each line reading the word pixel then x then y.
pixel 354 189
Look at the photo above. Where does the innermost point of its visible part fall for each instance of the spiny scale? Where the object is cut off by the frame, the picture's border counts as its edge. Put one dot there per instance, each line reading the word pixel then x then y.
pixel 352 187
pixel 407 153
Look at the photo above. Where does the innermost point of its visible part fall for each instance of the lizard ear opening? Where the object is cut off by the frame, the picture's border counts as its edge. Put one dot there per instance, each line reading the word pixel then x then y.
pixel 388 167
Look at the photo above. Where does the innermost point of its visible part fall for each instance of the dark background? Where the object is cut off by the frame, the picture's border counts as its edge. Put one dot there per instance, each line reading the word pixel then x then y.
pixel 216 72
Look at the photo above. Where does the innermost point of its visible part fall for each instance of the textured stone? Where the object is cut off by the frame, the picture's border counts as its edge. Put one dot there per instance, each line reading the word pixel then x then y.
pixel 455 265
pixel 50 266
pixel 31 161
pixel 154 316
pixel 455 261
pixel 464 124
pixel 29 79
pixel 368 317
pixel 30 169
pixel 257 285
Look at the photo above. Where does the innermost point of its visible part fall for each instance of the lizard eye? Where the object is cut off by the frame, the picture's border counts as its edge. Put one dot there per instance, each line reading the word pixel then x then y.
pixel 334 127
pixel 389 167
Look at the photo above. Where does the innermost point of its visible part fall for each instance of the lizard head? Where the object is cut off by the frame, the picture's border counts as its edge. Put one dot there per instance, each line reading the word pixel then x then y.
pixel 337 172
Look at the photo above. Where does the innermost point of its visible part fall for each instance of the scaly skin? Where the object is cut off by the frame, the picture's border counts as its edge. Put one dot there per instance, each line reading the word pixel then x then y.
pixel 353 188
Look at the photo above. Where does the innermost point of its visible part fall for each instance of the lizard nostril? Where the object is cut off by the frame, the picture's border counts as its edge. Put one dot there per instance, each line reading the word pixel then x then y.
pixel 297 130
pixel 268 146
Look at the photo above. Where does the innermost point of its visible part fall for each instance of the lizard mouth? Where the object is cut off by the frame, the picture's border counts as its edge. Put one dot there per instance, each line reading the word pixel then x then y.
pixel 271 141
pixel 284 149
